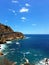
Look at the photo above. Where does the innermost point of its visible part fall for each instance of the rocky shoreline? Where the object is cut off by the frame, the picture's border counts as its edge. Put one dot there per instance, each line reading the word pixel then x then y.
pixel 6 33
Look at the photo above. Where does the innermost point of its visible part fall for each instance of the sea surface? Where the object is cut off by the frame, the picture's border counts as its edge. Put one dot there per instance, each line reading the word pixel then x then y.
pixel 33 47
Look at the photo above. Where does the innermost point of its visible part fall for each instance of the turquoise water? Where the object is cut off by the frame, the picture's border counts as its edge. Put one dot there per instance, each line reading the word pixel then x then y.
pixel 33 47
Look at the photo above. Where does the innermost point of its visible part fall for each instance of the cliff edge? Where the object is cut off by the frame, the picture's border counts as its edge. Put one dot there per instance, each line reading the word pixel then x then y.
pixel 6 33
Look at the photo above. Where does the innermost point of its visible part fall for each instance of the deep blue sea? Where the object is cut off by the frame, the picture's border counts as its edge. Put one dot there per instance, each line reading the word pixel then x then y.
pixel 33 47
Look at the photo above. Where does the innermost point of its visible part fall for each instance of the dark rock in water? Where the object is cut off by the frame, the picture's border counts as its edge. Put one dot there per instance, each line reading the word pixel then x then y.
pixel 1 42
pixel 1 54
pixel 27 64
pixel 6 33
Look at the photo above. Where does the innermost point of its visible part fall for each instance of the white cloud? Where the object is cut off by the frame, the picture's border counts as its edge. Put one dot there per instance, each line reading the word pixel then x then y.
pixel 23 9
pixel 23 18
pixel 14 1
pixel 34 24
pixel 13 11
pixel 27 4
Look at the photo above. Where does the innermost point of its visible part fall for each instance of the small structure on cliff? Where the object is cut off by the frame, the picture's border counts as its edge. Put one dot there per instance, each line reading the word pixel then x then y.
pixel 6 33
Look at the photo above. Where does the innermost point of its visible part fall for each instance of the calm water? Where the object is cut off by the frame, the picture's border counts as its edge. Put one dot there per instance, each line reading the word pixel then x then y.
pixel 34 48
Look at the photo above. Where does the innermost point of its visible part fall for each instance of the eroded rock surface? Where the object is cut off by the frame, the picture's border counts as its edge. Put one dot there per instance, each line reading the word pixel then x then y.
pixel 6 33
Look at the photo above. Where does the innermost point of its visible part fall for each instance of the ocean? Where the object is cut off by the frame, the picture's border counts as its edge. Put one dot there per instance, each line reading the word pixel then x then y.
pixel 34 47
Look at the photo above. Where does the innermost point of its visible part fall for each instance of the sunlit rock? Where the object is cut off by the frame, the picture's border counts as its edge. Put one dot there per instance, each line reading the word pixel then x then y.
pixel 7 34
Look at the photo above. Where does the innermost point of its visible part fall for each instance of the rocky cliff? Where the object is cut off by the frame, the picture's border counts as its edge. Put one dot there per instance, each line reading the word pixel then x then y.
pixel 5 29
pixel 6 33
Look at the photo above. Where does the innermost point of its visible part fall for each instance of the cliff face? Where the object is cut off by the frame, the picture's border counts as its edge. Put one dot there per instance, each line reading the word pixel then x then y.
pixel 6 33
pixel 5 29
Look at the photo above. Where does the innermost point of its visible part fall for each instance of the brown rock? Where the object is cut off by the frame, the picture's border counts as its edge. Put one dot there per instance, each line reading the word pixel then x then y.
pixel 6 33
pixel 1 54
pixel 5 61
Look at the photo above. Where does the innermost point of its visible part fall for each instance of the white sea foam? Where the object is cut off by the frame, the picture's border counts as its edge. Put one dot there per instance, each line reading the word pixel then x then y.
pixel 27 61
pixel 2 47
pixel 28 52
pixel 24 55
pixel 43 62
pixel 6 53
pixel 8 42
pixel 14 63
pixel 13 49
pixel 26 37
pixel 17 43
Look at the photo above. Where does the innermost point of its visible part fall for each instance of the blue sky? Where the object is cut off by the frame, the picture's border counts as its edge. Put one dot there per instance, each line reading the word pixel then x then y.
pixel 27 16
